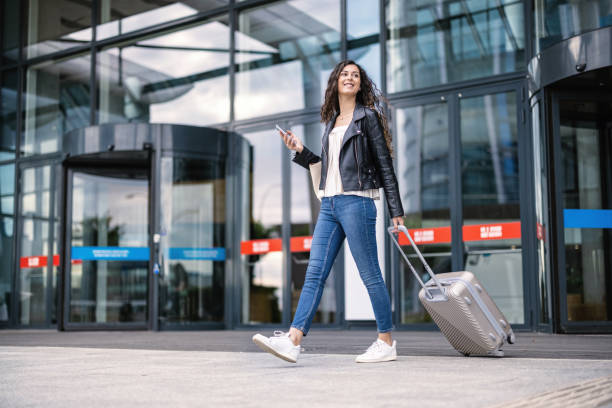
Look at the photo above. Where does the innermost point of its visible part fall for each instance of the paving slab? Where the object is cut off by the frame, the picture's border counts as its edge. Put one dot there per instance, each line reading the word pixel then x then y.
pixel 105 377
pixel 202 368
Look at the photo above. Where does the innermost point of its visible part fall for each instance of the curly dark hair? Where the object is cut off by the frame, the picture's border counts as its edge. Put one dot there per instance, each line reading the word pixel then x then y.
pixel 368 95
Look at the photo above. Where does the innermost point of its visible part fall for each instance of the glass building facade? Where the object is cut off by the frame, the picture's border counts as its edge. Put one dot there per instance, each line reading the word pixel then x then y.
pixel 142 184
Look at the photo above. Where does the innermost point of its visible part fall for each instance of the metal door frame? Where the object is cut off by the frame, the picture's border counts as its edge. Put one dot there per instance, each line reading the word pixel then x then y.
pixel 542 121
pixel 66 234
pixel 560 315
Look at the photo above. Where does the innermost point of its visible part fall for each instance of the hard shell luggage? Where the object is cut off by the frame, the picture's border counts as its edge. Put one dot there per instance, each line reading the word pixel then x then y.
pixel 462 308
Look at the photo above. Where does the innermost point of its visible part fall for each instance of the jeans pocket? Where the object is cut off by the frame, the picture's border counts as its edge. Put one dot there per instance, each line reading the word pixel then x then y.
pixel 370 209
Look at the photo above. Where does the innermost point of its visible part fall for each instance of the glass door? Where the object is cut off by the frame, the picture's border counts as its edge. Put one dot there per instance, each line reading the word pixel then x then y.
pixel 458 170
pixel 492 239
pixel 108 253
pixel 38 259
pixel 422 157
pixel 279 212
pixel 583 145
pixel 193 221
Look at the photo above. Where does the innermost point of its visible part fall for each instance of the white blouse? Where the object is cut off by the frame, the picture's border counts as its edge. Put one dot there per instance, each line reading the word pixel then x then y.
pixel 333 182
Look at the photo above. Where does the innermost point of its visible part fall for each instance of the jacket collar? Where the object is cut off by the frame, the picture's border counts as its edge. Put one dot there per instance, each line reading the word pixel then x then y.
pixel 352 130
pixel 359 112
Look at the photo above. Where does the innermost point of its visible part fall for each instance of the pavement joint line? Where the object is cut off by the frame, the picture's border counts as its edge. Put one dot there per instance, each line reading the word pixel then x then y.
pixel 571 396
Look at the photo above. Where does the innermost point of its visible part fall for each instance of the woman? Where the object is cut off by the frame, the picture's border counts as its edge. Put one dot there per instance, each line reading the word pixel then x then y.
pixel 355 163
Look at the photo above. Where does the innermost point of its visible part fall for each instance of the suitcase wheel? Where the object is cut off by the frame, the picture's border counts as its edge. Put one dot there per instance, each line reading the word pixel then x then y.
pixel 465 354
pixel 511 338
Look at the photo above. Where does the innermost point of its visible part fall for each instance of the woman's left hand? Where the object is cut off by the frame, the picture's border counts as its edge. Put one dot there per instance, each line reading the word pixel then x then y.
pixel 397 221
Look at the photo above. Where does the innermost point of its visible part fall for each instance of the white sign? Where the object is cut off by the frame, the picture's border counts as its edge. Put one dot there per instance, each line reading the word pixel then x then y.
pixel 491 231
pixel 263 246
pixel 423 236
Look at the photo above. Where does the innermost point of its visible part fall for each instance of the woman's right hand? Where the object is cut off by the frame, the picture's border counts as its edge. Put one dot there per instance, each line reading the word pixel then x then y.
pixel 292 141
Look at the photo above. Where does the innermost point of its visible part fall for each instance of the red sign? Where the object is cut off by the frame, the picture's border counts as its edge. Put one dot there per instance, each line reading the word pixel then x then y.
pixel 261 246
pixel 423 236
pixel 487 232
pixel 33 261
pixel 40 261
pixel 301 244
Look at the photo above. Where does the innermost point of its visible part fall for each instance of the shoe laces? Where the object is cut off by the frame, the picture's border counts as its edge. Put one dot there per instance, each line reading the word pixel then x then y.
pixel 375 347
pixel 279 333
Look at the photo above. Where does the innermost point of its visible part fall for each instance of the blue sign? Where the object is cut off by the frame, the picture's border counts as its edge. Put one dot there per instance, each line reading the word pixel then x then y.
pixel 111 253
pixel 587 218
pixel 206 254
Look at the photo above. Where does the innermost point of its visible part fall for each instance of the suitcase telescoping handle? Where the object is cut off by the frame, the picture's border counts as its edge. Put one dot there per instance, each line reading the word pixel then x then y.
pixel 425 264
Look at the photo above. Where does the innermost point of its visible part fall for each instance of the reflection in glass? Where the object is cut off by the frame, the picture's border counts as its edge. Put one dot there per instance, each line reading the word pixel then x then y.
pixel 285 52
pixel 8 114
pixel 541 212
pixel 434 42
pixel 557 20
pixel 193 223
pixel 263 280
pixel 142 82
pixel 362 32
pixel 56 25
pixel 119 16
pixel 9 31
pixel 489 152
pixel 109 212
pixel 586 150
pixel 490 190
pixel 35 229
pixel 422 170
pixel 7 191
pixel 304 213
pixel 56 101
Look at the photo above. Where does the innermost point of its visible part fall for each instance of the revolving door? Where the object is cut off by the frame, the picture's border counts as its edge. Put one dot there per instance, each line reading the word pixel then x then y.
pixel 144 227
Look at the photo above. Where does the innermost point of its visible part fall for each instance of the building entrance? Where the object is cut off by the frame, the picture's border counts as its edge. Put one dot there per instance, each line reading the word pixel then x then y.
pixel 146 215
pixel 583 139
pixel 459 164
pixel 107 246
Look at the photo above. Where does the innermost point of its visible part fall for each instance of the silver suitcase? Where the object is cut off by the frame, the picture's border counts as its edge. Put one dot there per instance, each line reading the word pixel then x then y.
pixel 462 308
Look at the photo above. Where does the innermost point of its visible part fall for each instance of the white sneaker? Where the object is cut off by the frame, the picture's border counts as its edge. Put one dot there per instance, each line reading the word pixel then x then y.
pixel 378 352
pixel 280 345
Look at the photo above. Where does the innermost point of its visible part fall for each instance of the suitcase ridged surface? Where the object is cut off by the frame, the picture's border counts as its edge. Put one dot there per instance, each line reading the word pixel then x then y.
pixel 458 323
pixel 484 296
pixel 455 336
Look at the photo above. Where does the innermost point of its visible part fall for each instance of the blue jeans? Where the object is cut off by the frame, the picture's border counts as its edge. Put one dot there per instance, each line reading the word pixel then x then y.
pixel 353 217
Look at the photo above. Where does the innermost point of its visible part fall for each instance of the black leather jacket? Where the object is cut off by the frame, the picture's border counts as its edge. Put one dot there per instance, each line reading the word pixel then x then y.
pixel 365 162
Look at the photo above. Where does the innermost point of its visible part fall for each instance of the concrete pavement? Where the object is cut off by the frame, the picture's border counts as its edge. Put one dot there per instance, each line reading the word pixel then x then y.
pixel 121 369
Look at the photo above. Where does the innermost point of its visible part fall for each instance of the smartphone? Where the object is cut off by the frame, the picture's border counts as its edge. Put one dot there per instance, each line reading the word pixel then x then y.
pixel 280 129
pixel 292 141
